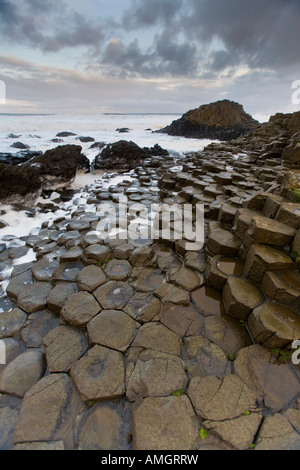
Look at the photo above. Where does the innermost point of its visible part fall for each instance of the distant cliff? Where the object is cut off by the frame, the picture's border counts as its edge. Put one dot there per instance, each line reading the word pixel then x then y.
pixel 222 120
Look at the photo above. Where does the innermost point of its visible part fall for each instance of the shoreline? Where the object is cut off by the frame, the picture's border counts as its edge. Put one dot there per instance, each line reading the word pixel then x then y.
pixel 178 332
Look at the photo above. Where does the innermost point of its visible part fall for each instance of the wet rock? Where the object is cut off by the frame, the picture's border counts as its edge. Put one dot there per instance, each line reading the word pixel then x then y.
pixel 274 325
pixel 219 399
pixel 227 333
pixel 184 321
pixel 43 270
pixel 239 432
pixel 23 372
pixel 289 214
pixel 240 297
pixel 90 278
pixel 143 307
pixel 34 297
pixel 155 374
pixel 114 295
pixel 68 236
pixel 85 139
pixel 156 151
pixel 113 329
pixel 99 376
pixel 123 130
pixel 121 155
pixel 187 278
pixel 45 446
pixel 222 242
pixel 9 412
pixel 262 258
pixel 141 256
pixel 123 252
pixel 63 347
pixel 98 145
pixel 170 293
pixel 67 272
pixel 17 185
pixel 196 260
pixel 164 423
pixel 203 358
pixel 147 279
pixel 58 296
pixel 65 134
pixel 80 308
pixel 277 433
pixel 270 232
pixel 293 416
pixel 94 254
pixel 37 326
pixel 55 168
pixel 18 252
pixel 222 120
pixel 49 411
pixel 118 270
pixel 106 426
pixel 72 255
pixel 13 349
pixel 22 268
pixel 266 377
pixel 284 289
pixel 157 337
pixel 11 322
pixel 215 277
pixel 20 146
pixel 79 225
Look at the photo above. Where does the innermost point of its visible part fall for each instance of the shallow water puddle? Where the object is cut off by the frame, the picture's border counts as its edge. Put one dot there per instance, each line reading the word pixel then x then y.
pixel 208 301
pixel 231 266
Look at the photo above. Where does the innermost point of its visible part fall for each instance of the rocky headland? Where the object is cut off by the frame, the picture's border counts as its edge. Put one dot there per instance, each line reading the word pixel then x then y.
pixel 152 345
pixel 223 120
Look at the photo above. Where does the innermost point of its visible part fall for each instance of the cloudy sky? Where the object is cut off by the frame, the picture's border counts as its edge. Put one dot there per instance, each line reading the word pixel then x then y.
pixel 75 56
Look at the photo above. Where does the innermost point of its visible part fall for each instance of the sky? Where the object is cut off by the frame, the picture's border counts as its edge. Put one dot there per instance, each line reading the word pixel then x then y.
pixel 148 56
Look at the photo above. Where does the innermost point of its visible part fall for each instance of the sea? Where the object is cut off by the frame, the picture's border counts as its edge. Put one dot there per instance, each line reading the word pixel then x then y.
pixel 38 130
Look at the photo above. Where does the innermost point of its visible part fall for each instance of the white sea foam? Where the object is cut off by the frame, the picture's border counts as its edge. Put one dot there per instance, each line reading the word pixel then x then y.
pixel 38 132
pixel 103 128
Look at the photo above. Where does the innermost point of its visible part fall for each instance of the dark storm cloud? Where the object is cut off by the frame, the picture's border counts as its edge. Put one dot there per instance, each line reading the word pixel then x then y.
pixel 149 13
pixel 165 58
pixel 192 38
pixel 48 26
pixel 259 32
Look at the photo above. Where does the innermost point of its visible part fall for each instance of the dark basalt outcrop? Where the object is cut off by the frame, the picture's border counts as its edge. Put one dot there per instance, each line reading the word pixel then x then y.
pixel 17 182
pixel 55 169
pixel 65 134
pixel 121 155
pixel 19 145
pixel 156 151
pixel 223 120
pixel 19 157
